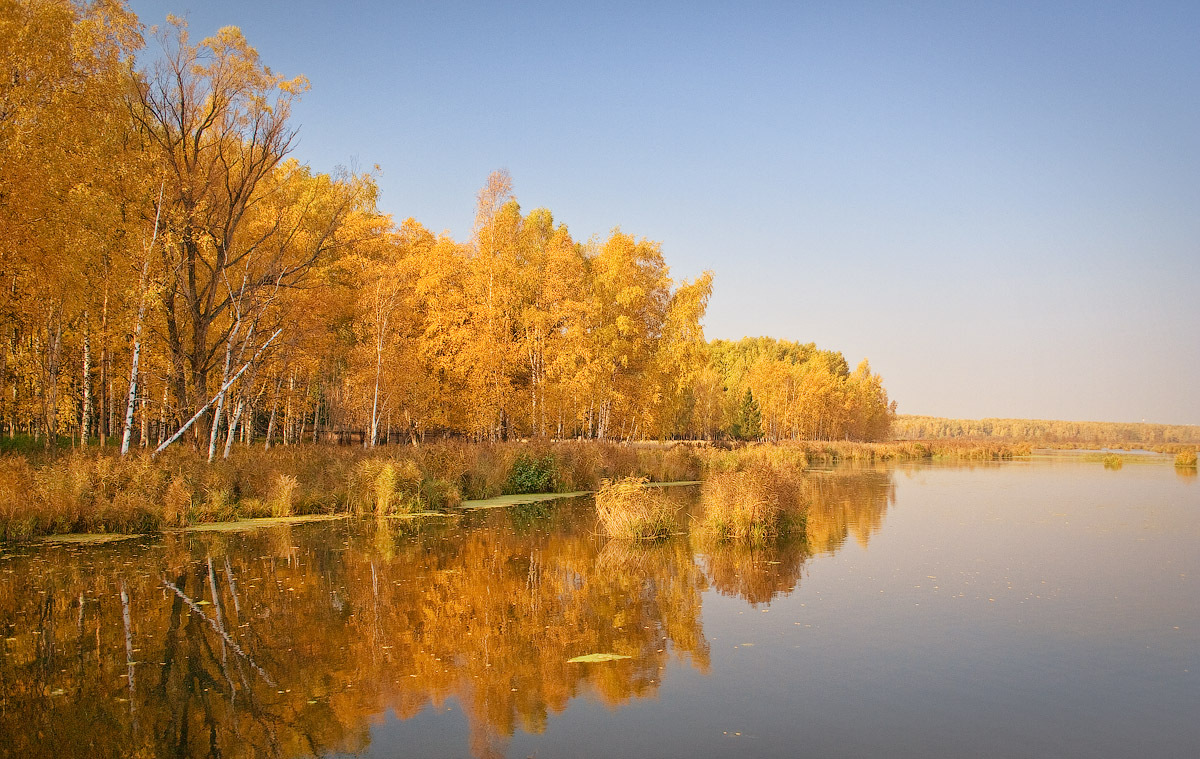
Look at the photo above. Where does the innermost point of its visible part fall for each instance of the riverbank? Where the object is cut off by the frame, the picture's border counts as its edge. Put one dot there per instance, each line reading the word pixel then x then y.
pixel 95 491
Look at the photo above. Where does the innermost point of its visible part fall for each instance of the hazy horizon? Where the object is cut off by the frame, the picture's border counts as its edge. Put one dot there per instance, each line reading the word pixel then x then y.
pixel 995 205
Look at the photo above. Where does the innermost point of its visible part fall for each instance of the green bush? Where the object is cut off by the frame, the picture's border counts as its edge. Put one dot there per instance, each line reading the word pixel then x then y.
pixel 529 474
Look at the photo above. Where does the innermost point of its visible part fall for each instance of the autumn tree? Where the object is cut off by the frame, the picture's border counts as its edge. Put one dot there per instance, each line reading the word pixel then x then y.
pixel 240 223
pixel 802 392
pixel 62 134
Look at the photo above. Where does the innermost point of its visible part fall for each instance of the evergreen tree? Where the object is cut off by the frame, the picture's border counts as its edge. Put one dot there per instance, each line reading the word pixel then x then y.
pixel 747 421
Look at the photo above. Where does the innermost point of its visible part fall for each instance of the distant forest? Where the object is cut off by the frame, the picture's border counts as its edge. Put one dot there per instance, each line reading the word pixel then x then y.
pixel 907 427
pixel 168 271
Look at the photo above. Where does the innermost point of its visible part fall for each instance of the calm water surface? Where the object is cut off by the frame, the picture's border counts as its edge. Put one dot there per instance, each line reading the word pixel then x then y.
pixel 1045 608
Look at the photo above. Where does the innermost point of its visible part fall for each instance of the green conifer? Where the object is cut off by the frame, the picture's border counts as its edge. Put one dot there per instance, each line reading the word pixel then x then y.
pixel 747 421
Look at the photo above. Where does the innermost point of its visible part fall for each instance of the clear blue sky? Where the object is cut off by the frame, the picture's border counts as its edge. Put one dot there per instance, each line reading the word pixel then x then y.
pixel 998 204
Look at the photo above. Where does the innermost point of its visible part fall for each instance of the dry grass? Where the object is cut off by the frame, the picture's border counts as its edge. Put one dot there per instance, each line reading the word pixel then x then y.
pixel 281 499
pixel 805 454
pixel 93 490
pixel 384 487
pixel 1185 459
pixel 753 504
pixel 629 510
pixel 1113 461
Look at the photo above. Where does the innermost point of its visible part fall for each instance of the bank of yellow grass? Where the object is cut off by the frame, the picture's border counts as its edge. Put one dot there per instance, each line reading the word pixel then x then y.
pixel 805 454
pixel 629 510
pixel 94 490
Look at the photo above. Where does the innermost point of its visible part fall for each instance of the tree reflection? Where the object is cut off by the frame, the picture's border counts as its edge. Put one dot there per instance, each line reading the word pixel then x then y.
pixel 757 573
pixel 284 643
pixel 845 504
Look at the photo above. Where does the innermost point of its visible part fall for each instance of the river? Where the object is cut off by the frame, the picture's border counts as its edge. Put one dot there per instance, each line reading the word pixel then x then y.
pixel 1048 607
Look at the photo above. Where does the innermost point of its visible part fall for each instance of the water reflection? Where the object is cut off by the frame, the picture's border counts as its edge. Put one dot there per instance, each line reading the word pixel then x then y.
pixel 845 504
pixel 756 573
pixel 288 641
pixel 837 504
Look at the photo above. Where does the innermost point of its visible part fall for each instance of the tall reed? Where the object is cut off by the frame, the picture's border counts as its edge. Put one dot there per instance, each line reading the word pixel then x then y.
pixel 753 505
pixel 630 510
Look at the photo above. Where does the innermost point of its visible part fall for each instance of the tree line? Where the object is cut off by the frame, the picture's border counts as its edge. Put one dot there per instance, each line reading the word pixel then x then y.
pixel 169 271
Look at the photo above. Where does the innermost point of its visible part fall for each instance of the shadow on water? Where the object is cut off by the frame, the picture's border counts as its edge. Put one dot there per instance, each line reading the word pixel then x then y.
pixel 289 641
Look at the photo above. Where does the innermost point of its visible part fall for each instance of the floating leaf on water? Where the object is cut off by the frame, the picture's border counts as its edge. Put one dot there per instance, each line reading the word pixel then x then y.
pixel 589 658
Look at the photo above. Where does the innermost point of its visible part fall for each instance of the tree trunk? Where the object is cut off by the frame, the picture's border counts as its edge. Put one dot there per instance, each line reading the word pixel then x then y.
pixel 237 414
pixel 145 441
pixel 51 348
pixel 137 329
pixel 137 350
pixel 288 418
pixel 162 417
pixel 233 423
pixel 203 409
pixel 102 419
pixel 85 414
pixel 274 410
pixel 216 420
pixel 375 402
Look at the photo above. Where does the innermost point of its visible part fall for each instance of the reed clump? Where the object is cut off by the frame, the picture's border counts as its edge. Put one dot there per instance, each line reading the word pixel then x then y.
pixel 385 486
pixel 281 499
pixel 1113 461
pixel 630 510
pixel 1185 459
pixel 754 504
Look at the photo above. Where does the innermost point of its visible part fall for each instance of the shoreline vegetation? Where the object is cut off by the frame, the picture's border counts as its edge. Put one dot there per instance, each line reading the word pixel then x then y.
pixel 97 491
pixel 1162 438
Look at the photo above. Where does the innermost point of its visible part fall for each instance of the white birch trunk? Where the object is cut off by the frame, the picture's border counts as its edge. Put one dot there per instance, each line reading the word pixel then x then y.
pixel 145 441
pixel 187 425
pixel 133 369
pixel 85 416
pixel 233 423
pixel 216 422
pixel 162 416
pixel 137 330
pixel 274 410
pixel 375 402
